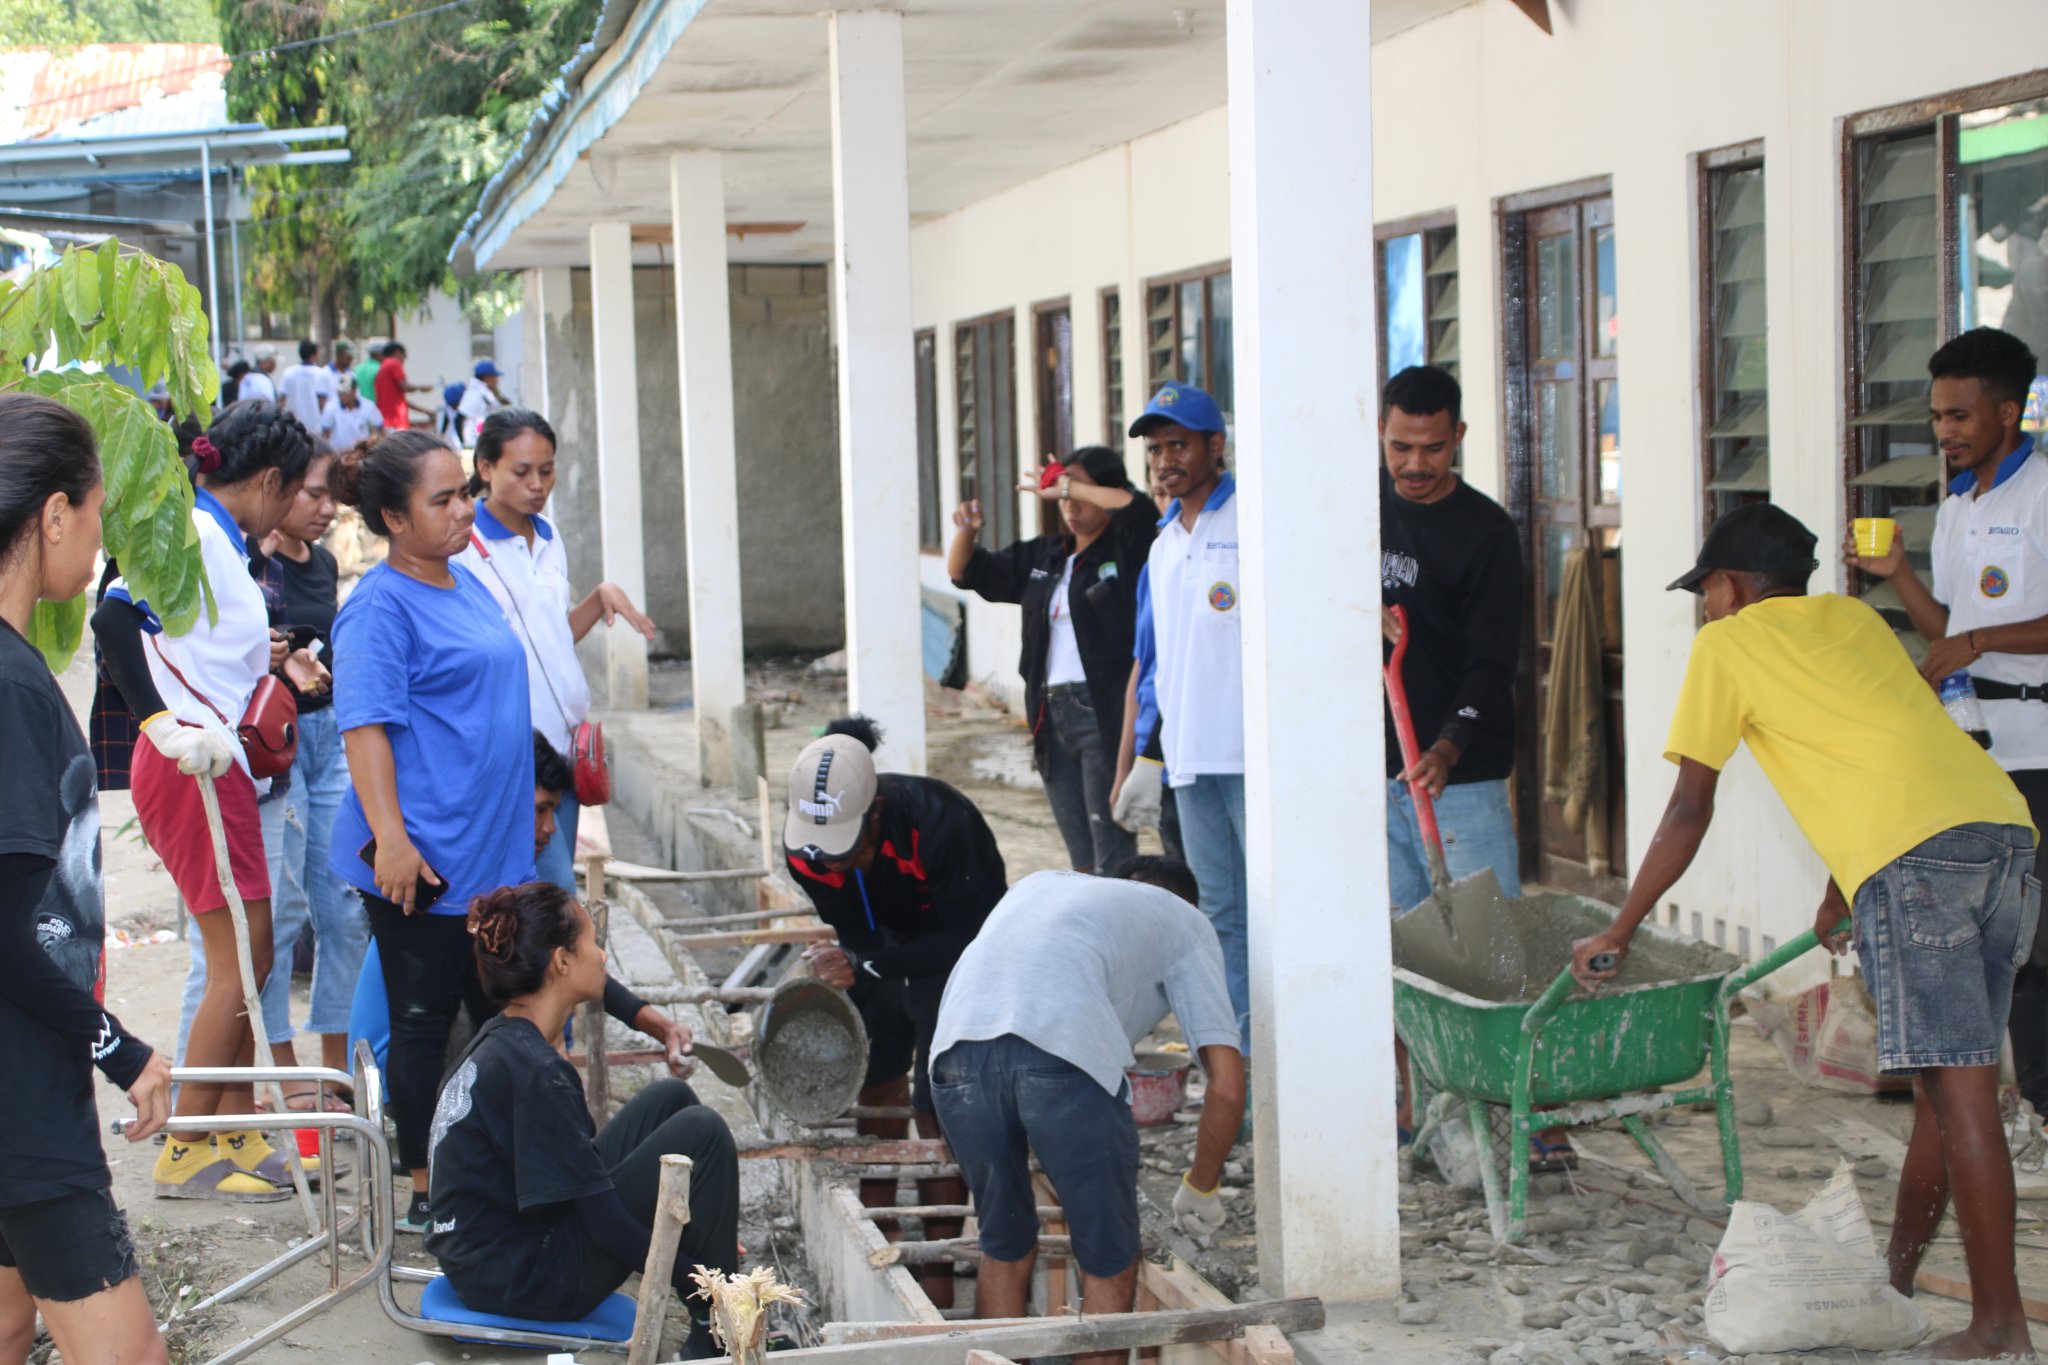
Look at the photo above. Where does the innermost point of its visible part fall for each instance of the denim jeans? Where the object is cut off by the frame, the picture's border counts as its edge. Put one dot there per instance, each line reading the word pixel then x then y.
pixel 272 812
pixel 1003 1100
pixel 557 862
pixel 1078 776
pixel 1212 831
pixel 1940 932
pixel 1478 829
pixel 340 929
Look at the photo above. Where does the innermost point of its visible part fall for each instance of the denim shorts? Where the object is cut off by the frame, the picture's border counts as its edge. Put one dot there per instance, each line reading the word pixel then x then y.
pixel 1940 932
pixel 1001 1100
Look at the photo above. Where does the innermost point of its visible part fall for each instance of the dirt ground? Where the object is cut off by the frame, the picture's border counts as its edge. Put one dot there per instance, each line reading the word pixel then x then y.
pixel 1465 1299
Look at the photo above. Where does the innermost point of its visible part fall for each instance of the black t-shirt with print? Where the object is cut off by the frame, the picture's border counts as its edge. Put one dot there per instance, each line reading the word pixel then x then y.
pixel 52 942
pixel 311 598
pixel 511 1151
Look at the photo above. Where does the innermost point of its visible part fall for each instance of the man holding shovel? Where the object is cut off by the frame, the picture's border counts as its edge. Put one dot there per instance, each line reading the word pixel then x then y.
pixel 1921 832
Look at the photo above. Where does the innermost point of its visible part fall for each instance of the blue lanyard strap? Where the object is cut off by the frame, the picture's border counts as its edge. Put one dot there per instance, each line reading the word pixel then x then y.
pixel 862 882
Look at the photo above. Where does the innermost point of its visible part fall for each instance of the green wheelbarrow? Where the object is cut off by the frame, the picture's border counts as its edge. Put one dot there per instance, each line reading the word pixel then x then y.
pixel 1568 1058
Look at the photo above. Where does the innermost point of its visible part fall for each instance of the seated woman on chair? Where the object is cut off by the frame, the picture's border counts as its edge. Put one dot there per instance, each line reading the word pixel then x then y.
pixel 536 1213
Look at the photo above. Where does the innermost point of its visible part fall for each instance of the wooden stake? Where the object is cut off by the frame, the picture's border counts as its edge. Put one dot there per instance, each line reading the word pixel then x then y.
pixel 952 1249
pixel 886 1150
pixel 671 1214
pixel 764 818
pixel 889 1213
pixel 597 1081
pixel 748 938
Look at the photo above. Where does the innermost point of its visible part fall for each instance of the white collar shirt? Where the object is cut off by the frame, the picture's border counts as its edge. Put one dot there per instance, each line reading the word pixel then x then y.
pixel 302 389
pixel 347 427
pixel 531 583
pixel 1990 558
pixel 1193 577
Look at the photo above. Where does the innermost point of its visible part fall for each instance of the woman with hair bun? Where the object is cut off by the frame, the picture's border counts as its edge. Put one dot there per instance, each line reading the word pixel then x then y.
pixel 432 708
pixel 519 555
pixel 537 1213
pixel 191 690
pixel 65 1249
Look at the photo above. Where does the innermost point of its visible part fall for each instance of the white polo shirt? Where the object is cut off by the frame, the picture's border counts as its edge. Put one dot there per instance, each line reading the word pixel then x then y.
pixel 531 583
pixel 1199 673
pixel 226 658
pixel 303 388
pixel 1990 558
pixel 347 428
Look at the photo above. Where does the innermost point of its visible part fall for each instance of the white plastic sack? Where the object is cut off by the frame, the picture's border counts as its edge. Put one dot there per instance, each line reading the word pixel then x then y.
pixel 1827 1035
pixel 1807 1280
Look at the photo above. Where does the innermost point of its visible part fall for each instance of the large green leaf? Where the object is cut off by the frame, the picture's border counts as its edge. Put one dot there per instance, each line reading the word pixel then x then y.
pixel 56 629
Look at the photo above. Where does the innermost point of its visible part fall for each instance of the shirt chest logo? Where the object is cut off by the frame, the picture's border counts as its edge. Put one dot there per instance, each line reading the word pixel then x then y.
pixel 1222 596
pixel 1994 581
pixel 1397 570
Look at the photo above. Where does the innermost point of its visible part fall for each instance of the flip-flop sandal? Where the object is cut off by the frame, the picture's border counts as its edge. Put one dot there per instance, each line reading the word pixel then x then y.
pixel 305 1102
pixel 1551 1158
pixel 205 1183
pixel 277 1169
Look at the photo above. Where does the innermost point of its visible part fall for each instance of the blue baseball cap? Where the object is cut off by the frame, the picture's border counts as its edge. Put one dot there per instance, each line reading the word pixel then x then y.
pixel 486 368
pixel 1183 404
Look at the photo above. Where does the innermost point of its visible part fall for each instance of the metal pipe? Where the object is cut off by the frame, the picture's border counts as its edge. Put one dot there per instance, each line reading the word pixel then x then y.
pixel 235 259
pixel 212 276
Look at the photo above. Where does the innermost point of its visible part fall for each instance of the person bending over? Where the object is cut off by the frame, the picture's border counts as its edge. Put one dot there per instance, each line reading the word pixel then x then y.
pixel 537 1212
pixel 1919 829
pixel 1034 1038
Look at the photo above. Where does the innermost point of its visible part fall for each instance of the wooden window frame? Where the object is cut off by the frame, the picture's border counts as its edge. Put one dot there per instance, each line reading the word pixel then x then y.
pixel 1740 156
pixel 931 463
pixel 1935 114
pixel 1382 233
pixel 1173 282
pixel 999 512
pixel 1048 514
pixel 1114 388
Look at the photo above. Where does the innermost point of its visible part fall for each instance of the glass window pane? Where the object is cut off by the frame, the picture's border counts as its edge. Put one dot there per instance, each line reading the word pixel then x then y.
pixel 1558 541
pixel 1401 297
pixel 1557 296
pixel 1222 359
pixel 1193 366
pixel 2002 220
pixel 1557 440
pixel 1607 320
pixel 1607 409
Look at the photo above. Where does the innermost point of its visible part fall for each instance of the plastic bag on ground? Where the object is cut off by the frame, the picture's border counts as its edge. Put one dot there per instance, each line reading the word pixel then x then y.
pixel 1808 1280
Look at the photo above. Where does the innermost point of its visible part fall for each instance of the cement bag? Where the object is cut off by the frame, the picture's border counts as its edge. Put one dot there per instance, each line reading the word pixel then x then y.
pixel 1806 1281
pixel 1827 1035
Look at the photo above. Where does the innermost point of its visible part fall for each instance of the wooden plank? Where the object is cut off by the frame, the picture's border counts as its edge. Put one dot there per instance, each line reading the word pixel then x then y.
pixel 688 922
pixel 750 938
pixel 1047 1213
pixel 2033 1302
pixel 1178 1285
pixel 988 1358
pixel 1066 1336
pixel 848 1333
pixel 885 1150
pixel 640 872
pixel 952 1249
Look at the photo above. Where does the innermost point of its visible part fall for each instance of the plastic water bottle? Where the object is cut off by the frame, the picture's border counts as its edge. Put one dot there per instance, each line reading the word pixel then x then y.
pixel 1959 699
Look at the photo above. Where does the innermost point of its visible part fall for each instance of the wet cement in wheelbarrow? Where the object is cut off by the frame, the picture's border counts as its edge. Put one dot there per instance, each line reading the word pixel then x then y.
pixel 1514 948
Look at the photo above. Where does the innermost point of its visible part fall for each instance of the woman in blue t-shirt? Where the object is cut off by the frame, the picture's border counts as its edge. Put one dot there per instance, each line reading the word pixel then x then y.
pixel 433 713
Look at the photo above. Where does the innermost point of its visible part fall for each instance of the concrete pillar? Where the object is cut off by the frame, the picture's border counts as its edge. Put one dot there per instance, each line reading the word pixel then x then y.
pixel 544 306
pixel 1301 235
pixel 877 397
pixel 711 505
pixel 618 452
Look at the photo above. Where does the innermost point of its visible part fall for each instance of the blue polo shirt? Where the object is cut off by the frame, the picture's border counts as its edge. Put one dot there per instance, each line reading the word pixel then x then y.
pixel 442 672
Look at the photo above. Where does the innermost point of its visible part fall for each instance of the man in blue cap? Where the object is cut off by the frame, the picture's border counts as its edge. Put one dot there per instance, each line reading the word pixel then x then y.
pixel 1188 640
pixel 480 397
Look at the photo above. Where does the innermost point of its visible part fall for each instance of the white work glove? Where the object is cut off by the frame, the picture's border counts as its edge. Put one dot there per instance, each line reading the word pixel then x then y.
pixel 1137 805
pixel 193 748
pixel 1195 1213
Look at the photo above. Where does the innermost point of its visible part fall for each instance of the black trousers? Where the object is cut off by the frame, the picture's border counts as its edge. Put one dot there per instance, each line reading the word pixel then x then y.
pixel 2029 1023
pixel 667 1119
pixel 429 964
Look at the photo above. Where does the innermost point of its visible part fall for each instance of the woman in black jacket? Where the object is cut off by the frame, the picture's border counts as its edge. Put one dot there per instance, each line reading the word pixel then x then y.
pixel 1079 594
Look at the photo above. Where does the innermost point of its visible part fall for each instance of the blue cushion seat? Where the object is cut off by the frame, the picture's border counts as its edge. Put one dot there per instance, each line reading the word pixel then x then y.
pixel 612 1320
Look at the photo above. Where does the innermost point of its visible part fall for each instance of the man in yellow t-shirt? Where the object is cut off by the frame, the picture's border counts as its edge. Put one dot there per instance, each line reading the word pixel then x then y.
pixel 1920 830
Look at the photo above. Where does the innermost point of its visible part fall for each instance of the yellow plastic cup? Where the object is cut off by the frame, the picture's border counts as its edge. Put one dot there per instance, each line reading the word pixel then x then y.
pixel 1874 536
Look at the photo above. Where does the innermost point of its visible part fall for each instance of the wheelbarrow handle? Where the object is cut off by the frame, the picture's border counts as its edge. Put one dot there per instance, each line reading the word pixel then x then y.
pixel 1546 1004
pixel 1411 753
pixel 1757 971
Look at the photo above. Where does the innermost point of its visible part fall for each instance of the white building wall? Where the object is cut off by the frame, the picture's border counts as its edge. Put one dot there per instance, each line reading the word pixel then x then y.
pixel 1480 104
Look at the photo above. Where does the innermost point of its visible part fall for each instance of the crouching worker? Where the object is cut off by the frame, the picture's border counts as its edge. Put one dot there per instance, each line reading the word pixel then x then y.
pixel 1035 1034
pixel 1922 833
pixel 537 1214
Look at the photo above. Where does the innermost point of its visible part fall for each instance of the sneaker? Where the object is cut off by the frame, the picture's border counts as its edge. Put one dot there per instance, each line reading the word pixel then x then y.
pixel 193 1170
pixel 418 1217
pixel 252 1152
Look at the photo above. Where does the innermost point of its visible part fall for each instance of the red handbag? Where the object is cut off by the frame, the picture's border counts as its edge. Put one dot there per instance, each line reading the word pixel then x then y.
pixel 587 758
pixel 269 729
pixel 590 763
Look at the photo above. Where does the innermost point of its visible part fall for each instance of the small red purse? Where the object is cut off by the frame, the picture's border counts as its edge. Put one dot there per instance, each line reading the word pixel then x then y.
pixel 590 763
pixel 269 729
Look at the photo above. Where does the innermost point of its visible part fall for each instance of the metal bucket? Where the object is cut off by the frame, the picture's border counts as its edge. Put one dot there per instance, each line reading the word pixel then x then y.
pixel 1159 1086
pixel 810 1051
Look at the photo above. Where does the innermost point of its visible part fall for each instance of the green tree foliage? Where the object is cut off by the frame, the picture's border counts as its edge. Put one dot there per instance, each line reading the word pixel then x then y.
pixel 115 307
pixel 70 23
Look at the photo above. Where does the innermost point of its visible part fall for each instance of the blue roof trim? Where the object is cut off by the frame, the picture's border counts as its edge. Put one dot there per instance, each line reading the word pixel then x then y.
pixel 569 121
pixel 2007 467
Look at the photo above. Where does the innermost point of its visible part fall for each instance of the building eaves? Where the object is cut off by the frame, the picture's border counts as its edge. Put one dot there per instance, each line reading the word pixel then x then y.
pixel 572 117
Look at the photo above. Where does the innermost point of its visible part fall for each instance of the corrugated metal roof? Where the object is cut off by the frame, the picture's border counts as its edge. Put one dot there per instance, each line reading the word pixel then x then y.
pixel 44 92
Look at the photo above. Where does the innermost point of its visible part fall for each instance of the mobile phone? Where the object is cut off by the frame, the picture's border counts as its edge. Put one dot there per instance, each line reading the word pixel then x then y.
pixel 302 637
pixel 424 892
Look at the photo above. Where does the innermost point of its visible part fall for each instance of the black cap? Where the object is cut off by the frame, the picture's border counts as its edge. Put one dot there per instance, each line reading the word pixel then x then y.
pixel 1759 538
